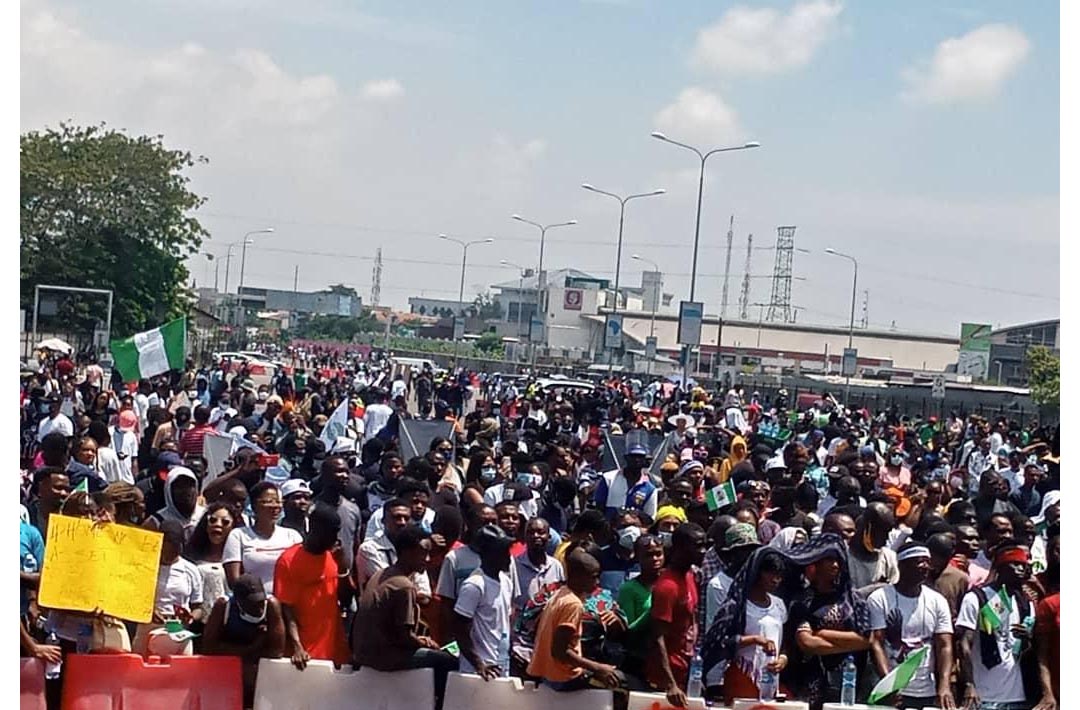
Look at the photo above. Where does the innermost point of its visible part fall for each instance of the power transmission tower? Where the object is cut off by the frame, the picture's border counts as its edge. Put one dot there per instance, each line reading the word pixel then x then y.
pixel 727 269
pixel 376 278
pixel 865 323
pixel 744 295
pixel 780 300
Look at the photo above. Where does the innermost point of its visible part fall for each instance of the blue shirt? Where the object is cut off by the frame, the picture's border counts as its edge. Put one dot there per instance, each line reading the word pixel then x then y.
pixel 31 557
pixel 613 493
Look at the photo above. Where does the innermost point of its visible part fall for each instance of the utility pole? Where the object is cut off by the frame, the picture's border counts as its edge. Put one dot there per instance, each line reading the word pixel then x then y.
pixel 864 323
pixel 376 278
pixel 727 270
pixel 744 296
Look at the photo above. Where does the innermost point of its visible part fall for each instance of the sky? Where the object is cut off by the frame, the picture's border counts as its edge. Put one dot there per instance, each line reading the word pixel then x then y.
pixel 921 138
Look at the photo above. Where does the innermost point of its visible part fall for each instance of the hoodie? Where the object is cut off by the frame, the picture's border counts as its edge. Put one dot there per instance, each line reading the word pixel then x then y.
pixel 169 512
pixel 737 456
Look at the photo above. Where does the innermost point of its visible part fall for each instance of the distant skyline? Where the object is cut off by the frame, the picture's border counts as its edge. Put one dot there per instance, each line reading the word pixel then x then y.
pixel 922 138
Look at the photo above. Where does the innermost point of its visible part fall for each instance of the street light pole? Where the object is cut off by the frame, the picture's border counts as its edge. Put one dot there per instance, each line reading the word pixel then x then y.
pixel 697 225
pixel 540 270
pixel 521 293
pixel 851 324
pixel 243 258
pixel 618 249
pixel 461 288
pixel 656 303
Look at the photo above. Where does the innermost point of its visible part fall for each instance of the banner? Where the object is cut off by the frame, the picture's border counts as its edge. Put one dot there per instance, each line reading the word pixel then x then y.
pixel 415 435
pixel 691 314
pixel 106 566
pixel 338 425
pixel 974 358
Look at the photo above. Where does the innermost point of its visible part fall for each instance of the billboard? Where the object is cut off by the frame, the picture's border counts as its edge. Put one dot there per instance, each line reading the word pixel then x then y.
pixel 974 358
pixel 613 337
pixel 691 314
pixel 572 299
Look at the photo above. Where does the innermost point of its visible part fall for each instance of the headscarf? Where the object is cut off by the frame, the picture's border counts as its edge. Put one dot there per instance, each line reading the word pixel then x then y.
pixel 719 645
pixel 785 539
pixel 671 511
pixel 1048 500
pixel 170 512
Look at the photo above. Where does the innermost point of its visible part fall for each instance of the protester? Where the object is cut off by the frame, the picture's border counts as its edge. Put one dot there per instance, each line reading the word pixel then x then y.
pixel 206 549
pixel 255 549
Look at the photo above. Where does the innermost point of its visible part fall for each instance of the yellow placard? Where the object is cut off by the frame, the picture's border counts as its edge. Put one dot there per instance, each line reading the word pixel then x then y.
pixel 106 566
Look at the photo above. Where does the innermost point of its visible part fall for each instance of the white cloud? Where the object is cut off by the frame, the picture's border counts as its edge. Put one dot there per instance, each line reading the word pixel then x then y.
pixel 698 116
pixel 971 67
pixel 752 40
pixel 383 90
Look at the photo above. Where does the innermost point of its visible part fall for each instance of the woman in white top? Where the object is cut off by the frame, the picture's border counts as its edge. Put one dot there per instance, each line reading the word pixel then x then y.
pixel 206 549
pixel 255 549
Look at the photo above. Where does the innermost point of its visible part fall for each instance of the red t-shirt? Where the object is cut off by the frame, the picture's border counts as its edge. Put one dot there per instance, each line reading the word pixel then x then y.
pixel 1048 625
pixel 674 600
pixel 308 583
pixel 191 442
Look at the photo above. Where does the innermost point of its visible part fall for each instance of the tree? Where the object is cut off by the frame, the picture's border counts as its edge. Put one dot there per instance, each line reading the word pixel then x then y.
pixel 489 343
pixel 485 307
pixel 1044 376
pixel 102 209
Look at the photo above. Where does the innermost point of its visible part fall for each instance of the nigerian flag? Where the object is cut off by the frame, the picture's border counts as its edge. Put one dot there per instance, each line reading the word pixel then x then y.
pixel 995 611
pixel 151 353
pixel 724 494
pixel 898 678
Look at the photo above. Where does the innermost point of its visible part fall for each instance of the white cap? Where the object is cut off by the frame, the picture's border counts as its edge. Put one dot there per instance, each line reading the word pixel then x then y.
pixel 294 485
pixel 775 462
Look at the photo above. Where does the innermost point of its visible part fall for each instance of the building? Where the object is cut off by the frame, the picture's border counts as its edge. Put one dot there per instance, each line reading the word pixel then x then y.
pixel 439 307
pixel 1009 346
pixel 331 302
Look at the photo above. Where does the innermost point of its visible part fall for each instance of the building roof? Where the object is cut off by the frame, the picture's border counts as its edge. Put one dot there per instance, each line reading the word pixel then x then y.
pixel 1026 326
pixel 551 278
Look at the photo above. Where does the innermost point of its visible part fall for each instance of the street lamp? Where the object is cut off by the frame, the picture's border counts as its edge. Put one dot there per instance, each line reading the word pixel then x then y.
pixel 521 295
pixel 240 288
pixel 656 302
pixel 697 222
pixel 851 324
pixel 461 288
pixel 618 248
pixel 540 308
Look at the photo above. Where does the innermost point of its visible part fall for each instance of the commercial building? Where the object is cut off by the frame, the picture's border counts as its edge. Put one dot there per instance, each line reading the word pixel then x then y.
pixel 1009 346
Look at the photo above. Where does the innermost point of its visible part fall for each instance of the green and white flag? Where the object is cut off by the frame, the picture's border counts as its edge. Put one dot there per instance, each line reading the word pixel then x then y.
pixel 995 611
pixel 151 353
pixel 898 678
pixel 717 498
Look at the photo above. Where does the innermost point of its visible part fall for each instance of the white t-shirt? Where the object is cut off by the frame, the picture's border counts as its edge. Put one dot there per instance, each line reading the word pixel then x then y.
pixel 376 554
pixel 398 388
pixel 59 423
pixel 1004 682
pixel 912 622
pixel 258 555
pixel 487 603
pixel 457 566
pixel 716 591
pixel 375 418
pixel 178 584
pixel 752 659
pixel 125 443
pixel 528 509
pixel 111 469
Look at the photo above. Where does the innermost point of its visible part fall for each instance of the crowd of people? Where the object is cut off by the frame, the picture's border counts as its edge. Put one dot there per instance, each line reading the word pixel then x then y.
pixel 638 536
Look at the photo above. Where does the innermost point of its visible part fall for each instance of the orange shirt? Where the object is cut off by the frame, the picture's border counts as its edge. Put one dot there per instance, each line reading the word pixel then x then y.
pixel 563 609
pixel 308 583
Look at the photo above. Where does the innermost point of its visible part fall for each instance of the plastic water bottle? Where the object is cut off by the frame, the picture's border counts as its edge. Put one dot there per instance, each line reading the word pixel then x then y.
pixel 847 687
pixel 52 670
pixel 694 685
pixel 767 684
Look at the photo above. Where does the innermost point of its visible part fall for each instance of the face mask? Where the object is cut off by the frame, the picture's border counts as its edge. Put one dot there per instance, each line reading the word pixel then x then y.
pixel 252 619
pixel 665 537
pixel 531 480
pixel 487 475
pixel 896 460
pixel 628 536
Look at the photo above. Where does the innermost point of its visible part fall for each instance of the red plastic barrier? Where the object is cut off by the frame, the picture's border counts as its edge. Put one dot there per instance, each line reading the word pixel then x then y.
pixel 31 684
pixel 126 682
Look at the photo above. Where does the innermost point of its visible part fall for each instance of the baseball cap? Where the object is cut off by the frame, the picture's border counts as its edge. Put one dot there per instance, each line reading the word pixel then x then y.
pixel 740 535
pixel 491 538
pixel 129 420
pixel 165 462
pixel 294 485
pixel 776 462
pixel 637 450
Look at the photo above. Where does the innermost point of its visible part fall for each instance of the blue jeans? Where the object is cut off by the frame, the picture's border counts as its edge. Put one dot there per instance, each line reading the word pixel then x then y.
pixel 990 705
pixel 442 662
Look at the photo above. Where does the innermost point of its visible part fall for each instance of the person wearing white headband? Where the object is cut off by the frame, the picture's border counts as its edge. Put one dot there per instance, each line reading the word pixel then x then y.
pixel 907 616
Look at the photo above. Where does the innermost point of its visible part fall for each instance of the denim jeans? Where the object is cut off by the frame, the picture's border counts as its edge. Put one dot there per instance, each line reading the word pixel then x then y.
pixel 991 705
pixel 442 662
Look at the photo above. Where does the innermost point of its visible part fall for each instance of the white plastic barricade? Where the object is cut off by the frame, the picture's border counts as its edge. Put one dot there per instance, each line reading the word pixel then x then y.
pixel 860 706
pixel 281 686
pixel 748 704
pixel 465 691
pixel 658 701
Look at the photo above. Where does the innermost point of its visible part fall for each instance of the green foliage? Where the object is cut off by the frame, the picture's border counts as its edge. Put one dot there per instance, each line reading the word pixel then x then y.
pixel 343 328
pixel 101 209
pixel 490 344
pixel 1044 376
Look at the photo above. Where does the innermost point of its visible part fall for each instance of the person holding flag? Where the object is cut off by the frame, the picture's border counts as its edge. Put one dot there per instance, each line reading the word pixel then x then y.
pixel 995 625
pixel 911 639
